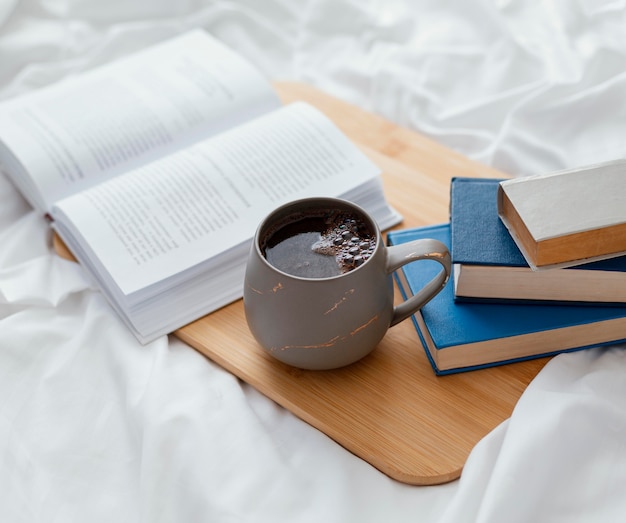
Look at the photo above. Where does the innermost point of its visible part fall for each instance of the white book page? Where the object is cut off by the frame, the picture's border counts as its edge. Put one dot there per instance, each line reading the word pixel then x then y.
pixel 81 131
pixel 161 219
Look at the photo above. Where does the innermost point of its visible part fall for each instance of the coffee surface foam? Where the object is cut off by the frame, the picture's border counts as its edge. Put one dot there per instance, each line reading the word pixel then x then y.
pixel 319 245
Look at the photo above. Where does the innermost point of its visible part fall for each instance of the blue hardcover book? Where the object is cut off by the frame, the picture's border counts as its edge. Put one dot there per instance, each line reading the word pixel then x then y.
pixel 488 265
pixel 462 336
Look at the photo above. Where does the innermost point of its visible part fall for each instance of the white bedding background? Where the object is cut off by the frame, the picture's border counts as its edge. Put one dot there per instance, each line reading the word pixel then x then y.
pixel 95 427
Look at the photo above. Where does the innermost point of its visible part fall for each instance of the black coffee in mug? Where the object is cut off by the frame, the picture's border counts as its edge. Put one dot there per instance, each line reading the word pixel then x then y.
pixel 317 244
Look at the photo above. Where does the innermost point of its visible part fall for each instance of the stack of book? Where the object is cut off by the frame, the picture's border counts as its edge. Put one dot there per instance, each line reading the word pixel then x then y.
pixel 538 268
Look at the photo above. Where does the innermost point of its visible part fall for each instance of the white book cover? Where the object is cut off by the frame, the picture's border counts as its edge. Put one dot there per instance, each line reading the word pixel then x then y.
pixel 568 205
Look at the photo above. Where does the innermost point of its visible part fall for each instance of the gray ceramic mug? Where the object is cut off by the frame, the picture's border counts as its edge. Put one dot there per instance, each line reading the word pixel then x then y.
pixel 329 322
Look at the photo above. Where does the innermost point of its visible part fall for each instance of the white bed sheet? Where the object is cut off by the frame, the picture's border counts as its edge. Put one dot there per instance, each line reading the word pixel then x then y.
pixel 95 427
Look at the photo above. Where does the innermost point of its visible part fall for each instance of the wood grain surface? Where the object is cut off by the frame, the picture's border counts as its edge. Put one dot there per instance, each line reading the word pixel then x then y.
pixel 389 408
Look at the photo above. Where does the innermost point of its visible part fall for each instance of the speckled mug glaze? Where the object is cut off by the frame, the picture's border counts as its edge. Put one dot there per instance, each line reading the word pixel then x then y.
pixel 327 323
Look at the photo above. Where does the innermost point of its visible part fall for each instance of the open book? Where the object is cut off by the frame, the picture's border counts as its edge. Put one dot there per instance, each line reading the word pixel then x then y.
pixel 156 170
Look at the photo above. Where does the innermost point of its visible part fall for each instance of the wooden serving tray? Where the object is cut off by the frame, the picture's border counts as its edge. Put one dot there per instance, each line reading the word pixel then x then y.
pixel 390 409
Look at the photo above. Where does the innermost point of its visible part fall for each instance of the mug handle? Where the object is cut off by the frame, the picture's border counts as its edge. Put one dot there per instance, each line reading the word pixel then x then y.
pixel 424 249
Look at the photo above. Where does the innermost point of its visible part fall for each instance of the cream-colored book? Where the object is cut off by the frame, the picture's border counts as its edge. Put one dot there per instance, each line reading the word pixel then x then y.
pixel 568 217
pixel 156 169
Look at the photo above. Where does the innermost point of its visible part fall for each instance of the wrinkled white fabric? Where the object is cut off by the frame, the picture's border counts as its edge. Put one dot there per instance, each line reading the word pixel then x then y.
pixel 95 427
pixel 560 457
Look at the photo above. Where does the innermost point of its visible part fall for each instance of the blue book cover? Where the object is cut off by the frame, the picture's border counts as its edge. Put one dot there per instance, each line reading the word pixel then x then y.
pixel 478 235
pixel 462 336
pixel 480 239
